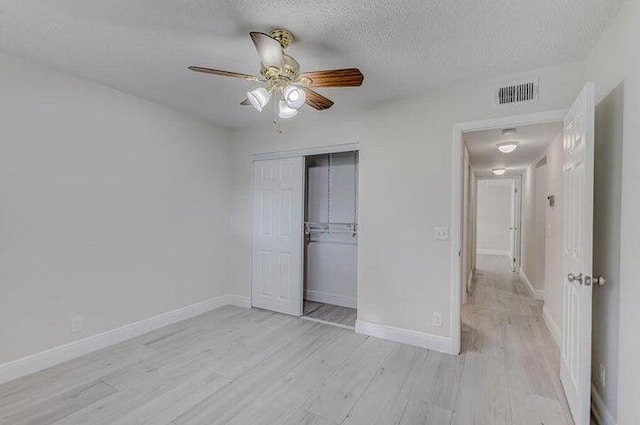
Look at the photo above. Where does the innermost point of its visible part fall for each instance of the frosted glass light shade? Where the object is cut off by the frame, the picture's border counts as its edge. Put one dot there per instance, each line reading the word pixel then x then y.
pixel 294 96
pixel 259 98
pixel 499 171
pixel 507 147
pixel 284 111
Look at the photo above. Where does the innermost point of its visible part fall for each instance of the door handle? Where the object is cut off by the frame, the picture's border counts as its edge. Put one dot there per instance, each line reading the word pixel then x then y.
pixel 575 278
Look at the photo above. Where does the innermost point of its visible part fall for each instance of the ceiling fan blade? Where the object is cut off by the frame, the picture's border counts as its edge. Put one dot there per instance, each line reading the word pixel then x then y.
pixel 269 50
pixel 350 77
pixel 247 77
pixel 245 102
pixel 316 100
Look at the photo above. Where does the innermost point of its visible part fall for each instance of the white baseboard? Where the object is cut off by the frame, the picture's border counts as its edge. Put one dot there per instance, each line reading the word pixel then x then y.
pixel 551 325
pixel 538 294
pixel 333 299
pixel 237 300
pixel 405 336
pixel 46 359
pixel 483 251
pixel 599 409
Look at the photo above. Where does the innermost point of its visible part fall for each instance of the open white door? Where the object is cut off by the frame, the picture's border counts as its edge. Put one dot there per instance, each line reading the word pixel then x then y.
pixel 276 282
pixel 575 368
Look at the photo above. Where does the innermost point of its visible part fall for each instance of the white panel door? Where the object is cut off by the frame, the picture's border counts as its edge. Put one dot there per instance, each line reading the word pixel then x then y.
pixel 575 369
pixel 276 282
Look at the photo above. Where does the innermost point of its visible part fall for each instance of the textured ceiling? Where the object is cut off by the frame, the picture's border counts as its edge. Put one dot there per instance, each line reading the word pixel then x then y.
pixel 533 140
pixel 403 47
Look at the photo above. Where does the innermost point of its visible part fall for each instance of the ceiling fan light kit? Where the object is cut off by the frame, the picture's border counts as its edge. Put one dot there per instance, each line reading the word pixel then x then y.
pixel 282 77
pixel 259 98
pixel 286 112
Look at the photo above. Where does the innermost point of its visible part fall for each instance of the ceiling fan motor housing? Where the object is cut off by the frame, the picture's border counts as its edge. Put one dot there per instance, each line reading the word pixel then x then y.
pixel 289 73
pixel 284 37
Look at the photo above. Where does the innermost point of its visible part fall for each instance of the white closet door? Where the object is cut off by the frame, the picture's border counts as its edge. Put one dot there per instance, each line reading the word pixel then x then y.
pixel 278 187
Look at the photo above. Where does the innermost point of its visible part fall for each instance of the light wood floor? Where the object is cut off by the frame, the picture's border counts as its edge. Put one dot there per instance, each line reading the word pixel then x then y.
pixel 330 313
pixel 251 367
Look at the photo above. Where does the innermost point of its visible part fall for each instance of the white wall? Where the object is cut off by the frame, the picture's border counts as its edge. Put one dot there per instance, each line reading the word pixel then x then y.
pixel 468 226
pixel 112 208
pixel 554 278
pixel 541 219
pixel 494 216
pixel 614 65
pixel 534 205
pixel 331 260
pixel 404 275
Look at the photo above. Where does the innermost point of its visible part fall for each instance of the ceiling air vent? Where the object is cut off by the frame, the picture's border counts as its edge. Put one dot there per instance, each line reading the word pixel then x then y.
pixel 521 92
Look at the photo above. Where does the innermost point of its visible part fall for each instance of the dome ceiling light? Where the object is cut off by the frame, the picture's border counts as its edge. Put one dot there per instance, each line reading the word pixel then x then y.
pixel 507 147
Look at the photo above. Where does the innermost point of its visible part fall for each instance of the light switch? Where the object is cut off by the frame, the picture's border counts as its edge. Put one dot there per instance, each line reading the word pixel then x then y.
pixel 441 233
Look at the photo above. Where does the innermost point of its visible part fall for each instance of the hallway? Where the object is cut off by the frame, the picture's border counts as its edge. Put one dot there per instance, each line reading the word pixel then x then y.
pixel 511 372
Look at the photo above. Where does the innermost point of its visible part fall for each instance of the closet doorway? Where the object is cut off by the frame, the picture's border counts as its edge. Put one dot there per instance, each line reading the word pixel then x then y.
pixel 331 238
pixel 305 234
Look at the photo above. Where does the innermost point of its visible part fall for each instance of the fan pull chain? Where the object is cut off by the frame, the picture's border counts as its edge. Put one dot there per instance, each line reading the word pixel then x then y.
pixel 276 121
pixel 328 188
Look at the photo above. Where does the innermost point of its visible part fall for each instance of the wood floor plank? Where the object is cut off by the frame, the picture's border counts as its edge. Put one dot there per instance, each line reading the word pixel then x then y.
pixel 486 334
pixel 243 391
pixel 288 393
pixel 59 406
pixel 335 398
pixel 334 314
pixel 302 417
pixel 483 395
pixel 175 401
pixel 436 379
pixel 420 413
pixel 530 409
pixel 19 394
pixel 384 401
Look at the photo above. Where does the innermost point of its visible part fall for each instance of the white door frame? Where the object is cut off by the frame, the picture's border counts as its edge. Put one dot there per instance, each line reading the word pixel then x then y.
pixel 457 191
pixel 319 150
pixel 516 216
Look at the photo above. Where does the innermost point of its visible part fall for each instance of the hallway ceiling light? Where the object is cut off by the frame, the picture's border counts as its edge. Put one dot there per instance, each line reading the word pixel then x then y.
pixel 507 147
pixel 499 171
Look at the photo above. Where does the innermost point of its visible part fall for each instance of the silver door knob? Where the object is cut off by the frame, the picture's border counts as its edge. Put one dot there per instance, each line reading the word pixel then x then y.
pixel 574 278
pixel 599 281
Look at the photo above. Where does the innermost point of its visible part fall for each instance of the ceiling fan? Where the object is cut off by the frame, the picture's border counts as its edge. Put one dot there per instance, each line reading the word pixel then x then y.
pixel 283 80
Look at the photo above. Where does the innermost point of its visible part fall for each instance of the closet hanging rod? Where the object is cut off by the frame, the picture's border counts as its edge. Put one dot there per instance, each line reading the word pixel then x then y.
pixel 319 227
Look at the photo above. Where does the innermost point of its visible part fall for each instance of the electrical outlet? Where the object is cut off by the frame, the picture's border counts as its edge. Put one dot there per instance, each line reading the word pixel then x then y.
pixel 603 375
pixel 441 233
pixel 76 324
pixel 437 319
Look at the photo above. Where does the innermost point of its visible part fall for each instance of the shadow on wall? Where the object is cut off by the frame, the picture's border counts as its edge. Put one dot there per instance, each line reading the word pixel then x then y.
pixel 606 246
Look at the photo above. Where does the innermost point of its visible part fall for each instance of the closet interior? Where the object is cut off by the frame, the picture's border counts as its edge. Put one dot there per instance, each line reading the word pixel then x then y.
pixel 331 238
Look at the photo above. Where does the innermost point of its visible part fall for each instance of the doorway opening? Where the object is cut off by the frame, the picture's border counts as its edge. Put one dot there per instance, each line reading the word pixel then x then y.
pixel 305 234
pixel 331 243
pixel 565 167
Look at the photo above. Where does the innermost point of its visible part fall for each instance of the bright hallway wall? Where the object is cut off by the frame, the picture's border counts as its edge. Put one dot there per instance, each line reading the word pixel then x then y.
pixel 113 208
pixel 614 66
pixel 494 216
pixel 404 275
